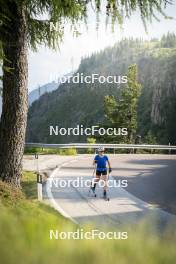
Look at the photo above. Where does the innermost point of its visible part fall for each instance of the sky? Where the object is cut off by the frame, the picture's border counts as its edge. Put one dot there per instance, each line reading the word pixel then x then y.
pixel 46 65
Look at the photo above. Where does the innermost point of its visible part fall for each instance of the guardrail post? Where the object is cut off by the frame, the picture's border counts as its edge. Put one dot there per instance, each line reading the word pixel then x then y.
pixel 169 149
pixel 36 158
pixel 39 187
pixel 39 179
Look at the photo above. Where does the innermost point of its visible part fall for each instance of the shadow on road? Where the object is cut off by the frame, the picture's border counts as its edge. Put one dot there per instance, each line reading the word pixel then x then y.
pixel 154 184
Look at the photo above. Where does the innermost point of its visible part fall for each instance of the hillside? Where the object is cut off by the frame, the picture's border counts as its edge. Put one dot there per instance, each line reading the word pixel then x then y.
pixel 46 88
pixel 82 103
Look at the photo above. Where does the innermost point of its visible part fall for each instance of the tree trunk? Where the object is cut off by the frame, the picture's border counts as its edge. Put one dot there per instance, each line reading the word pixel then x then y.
pixel 15 102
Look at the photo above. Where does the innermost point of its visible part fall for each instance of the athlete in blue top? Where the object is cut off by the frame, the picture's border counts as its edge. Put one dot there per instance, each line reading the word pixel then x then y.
pixel 101 160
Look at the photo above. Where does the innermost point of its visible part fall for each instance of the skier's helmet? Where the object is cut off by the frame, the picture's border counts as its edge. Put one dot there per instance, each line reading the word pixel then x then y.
pixel 101 149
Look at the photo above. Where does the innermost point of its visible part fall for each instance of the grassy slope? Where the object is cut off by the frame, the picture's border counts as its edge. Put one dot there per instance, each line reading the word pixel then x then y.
pixel 24 236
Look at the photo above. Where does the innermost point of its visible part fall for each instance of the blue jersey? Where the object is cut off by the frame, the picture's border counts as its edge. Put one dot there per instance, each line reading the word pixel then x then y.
pixel 101 162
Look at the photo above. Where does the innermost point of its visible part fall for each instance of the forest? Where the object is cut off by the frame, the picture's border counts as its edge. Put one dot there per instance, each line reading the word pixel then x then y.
pixel 83 103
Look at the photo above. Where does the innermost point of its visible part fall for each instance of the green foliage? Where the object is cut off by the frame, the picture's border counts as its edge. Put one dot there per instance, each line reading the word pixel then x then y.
pixel 49 151
pixel 25 236
pixel 25 228
pixel 69 151
pixel 84 103
pixel 29 184
pixel 110 105
pixel 150 139
pixel 123 112
pixel 90 141
pixel 73 12
pixel 168 41
pixel 12 196
pixel 51 30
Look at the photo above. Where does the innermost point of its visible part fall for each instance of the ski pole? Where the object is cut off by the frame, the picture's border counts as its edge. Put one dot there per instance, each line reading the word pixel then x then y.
pixel 93 175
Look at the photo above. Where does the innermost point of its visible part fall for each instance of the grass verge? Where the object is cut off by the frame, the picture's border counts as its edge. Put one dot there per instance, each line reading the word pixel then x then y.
pixel 24 235
pixel 29 185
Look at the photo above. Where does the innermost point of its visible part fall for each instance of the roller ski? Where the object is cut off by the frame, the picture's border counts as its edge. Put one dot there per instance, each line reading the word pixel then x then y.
pixel 105 196
pixel 92 187
pixel 92 192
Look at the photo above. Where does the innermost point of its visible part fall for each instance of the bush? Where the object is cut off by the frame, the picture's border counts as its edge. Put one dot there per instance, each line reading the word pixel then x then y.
pixel 90 141
pixel 48 151
pixel 69 151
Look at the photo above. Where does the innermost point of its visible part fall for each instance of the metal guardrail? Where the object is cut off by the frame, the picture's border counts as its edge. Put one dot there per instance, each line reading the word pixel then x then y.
pixel 95 146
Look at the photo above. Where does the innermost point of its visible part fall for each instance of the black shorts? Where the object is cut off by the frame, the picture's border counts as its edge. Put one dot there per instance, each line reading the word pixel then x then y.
pixel 99 173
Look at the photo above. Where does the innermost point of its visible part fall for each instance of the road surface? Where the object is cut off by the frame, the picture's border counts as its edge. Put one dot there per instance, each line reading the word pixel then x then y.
pixel 150 191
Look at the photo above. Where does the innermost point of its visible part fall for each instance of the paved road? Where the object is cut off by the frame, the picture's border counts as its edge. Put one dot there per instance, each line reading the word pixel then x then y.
pixel 151 178
pixel 151 184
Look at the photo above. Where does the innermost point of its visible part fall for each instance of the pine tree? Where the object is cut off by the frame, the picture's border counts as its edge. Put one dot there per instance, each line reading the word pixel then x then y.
pixel 123 112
